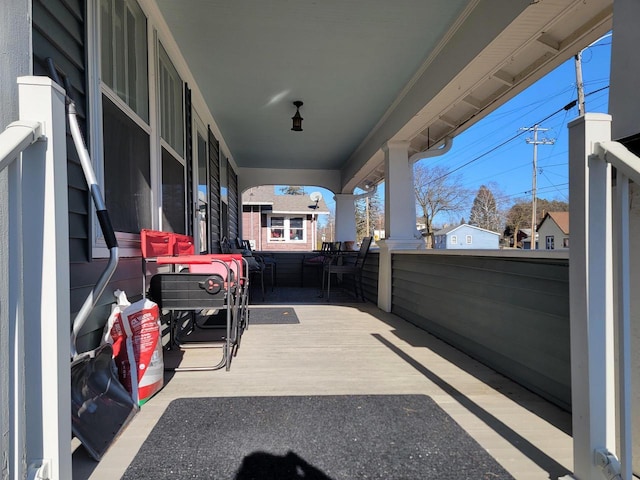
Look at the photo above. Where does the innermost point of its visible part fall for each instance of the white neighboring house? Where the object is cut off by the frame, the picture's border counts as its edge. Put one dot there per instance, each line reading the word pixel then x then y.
pixel 466 237
pixel 553 231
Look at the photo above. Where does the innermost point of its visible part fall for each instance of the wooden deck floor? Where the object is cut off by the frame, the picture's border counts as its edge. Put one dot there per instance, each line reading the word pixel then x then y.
pixel 357 349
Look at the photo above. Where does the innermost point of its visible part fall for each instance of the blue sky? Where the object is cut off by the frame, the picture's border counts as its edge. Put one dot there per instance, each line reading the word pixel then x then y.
pixel 510 165
pixel 496 150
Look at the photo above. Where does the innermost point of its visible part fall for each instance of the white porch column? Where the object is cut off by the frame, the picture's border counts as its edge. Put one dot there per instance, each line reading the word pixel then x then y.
pixel 399 216
pixel 40 237
pixel 591 303
pixel 399 195
pixel 624 106
pixel 345 217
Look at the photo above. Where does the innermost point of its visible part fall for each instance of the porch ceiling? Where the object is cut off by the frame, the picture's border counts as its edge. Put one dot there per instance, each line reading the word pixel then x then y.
pixel 367 70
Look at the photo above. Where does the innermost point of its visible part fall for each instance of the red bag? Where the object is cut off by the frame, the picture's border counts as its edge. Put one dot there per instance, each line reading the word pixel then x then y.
pixel 134 331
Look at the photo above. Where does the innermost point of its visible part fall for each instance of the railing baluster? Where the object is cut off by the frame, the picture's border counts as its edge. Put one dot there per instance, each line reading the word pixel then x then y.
pixel 623 319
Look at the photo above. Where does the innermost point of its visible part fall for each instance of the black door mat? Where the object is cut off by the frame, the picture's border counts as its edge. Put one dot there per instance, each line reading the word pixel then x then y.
pixel 272 316
pixel 386 437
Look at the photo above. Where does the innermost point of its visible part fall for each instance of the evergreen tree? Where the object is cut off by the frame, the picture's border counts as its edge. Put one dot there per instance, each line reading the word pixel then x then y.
pixel 484 212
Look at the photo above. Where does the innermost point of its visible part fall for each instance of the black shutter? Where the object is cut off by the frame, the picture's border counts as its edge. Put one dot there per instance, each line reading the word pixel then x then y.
pixel 214 192
pixel 234 231
pixel 189 156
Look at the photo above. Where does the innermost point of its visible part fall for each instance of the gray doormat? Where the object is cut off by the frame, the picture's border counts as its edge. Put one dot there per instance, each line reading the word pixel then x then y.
pixel 386 437
pixel 272 316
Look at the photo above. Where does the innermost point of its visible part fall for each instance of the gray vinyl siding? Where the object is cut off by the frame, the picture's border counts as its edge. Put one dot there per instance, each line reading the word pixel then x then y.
pixel 127 277
pixel 59 33
pixel 511 314
pixel 370 277
pixel 289 269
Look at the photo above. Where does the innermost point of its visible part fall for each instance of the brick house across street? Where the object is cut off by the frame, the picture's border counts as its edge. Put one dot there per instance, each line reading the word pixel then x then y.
pixel 280 222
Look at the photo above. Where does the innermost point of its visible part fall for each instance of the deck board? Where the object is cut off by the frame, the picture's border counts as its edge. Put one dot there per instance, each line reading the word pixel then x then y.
pixel 358 349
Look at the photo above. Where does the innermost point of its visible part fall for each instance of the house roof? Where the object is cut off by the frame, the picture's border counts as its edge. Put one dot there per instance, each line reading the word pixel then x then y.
pixel 451 228
pixel 266 195
pixel 560 218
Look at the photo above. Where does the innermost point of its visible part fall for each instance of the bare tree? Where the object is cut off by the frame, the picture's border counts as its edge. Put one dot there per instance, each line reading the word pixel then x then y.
pixel 438 192
pixel 368 212
pixel 519 215
pixel 292 190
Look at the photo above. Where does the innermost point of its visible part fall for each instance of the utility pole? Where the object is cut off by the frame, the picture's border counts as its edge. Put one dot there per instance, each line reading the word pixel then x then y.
pixel 579 83
pixel 534 181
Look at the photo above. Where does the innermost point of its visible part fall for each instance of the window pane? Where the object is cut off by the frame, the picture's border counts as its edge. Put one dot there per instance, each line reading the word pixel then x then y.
pixel 119 50
pixel 131 69
pixel 173 194
pixel 124 53
pixel 171 125
pixel 276 232
pixel 106 41
pixel 296 230
pixel 126 171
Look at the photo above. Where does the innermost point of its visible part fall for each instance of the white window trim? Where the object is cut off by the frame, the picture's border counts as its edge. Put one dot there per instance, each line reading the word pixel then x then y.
pixel 454 239
pixel 469 239
pixel 128 243
pixel 287 228
pixel 157 31
pixel 199 129
pixel 122 105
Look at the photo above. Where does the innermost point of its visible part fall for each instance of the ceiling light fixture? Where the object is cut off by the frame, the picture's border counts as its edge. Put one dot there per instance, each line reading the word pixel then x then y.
pixel 297 118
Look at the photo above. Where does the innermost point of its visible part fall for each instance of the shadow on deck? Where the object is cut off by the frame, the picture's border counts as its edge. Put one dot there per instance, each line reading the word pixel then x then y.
pixel 349 348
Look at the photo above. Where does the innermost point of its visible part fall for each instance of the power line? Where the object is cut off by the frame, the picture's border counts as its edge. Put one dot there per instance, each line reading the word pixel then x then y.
pixel 527 192
pixel 568 106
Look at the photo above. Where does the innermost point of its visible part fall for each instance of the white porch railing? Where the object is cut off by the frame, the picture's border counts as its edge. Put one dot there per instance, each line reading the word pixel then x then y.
pixel 34 288
pixel 599 290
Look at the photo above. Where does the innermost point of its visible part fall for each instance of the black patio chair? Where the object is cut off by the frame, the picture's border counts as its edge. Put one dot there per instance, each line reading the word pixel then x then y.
pixel 348 265
pixel 255 264
pixel 317 260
